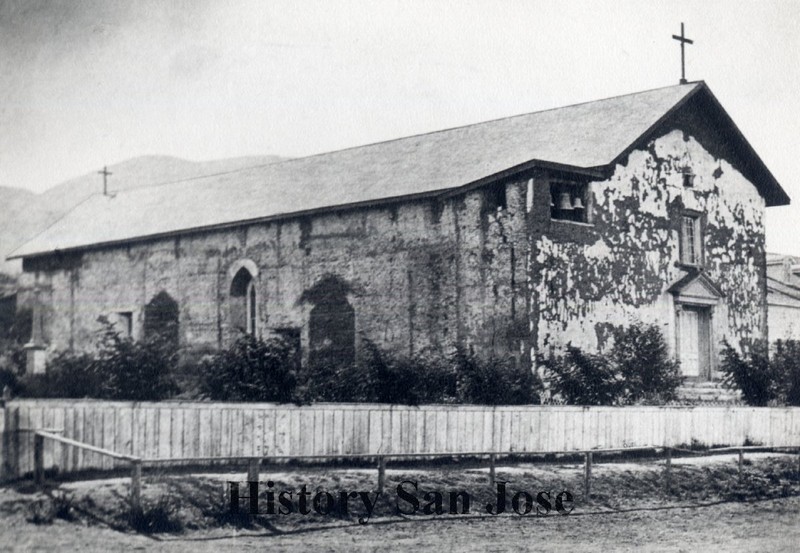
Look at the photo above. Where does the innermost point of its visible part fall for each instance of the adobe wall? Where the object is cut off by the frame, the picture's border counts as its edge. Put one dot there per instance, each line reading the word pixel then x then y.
pixel 586 278
pixel 420 273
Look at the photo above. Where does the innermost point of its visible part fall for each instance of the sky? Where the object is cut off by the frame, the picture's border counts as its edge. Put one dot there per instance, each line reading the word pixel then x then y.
pixel 88 83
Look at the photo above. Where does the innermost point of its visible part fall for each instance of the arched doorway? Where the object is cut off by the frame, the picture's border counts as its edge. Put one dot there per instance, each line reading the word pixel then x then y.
pixel 331 329
pixel 161 319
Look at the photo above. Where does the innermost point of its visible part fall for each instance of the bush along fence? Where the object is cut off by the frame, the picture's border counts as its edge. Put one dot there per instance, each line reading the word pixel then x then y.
pixel 192 430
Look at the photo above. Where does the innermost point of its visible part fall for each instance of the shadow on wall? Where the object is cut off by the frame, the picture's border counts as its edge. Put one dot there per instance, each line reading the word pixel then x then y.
pixel 331 329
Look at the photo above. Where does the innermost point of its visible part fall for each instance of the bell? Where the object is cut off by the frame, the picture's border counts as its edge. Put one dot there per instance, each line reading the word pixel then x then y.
pixel 564 203
pixel 578 204
pixel 552 203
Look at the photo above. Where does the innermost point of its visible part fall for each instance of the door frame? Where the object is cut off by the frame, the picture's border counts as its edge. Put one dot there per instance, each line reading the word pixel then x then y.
pixel 705 339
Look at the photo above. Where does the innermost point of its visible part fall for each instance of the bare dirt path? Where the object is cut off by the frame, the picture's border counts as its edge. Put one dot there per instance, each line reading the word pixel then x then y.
pixel 634 519
pixel 771 525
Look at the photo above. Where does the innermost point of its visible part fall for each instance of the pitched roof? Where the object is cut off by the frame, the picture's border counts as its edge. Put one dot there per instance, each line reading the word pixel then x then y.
pixel 589 135
pixel 776 286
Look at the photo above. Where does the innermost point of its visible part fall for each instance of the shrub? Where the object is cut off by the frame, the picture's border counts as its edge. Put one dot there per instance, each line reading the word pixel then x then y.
pixel 130 370
pixel 156 517
pixel 386 377
pixel 331 381
pixel 493 381
pixel 252 369
pixel 763 378
pixel 382 377
pixel 12 353
pixel 393 378
pixel 187 372
pixel 638 368
pixel 641 355
pixel 20 330
pixel 584 379
pixel 786 362
pixel 71 375
pixel 9 378
pixel 389 378
pixel 45 511
pixel 750 372
pixel 119 369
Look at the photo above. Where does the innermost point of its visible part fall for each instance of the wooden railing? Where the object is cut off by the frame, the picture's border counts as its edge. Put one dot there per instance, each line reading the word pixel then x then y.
pixel 254 463
pixel 40 436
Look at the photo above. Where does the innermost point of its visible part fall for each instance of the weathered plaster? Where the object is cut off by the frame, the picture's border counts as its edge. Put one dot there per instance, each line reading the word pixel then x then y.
pixel 621 267
pixel 453 270
pixel 422 274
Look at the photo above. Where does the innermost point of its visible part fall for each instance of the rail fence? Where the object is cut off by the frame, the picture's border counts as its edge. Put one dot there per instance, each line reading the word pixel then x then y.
pixel 206 431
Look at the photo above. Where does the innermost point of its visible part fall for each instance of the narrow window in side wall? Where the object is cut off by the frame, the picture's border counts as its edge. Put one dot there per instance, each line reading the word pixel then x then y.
pixel 124 323
pixel 691 240
pixel 243 303
pixel 251 308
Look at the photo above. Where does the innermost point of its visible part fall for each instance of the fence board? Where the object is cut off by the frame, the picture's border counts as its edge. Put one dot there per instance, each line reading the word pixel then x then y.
pixel 195 429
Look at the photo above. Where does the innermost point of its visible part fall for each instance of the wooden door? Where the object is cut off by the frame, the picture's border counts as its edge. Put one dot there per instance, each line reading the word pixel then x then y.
pixel 693 342
pixel 689 342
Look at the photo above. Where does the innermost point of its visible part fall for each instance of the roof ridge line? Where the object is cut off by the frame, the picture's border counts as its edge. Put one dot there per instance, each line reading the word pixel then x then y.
pixel 380 142
pixel 693 83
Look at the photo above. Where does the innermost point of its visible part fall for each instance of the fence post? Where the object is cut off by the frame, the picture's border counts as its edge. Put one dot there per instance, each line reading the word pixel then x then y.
pixel 492 461
pixel 381 473
pixel 136 483
pixel 741 463
pixel 668 469
pixel 587 477
pixel 252 469
pixel 38 459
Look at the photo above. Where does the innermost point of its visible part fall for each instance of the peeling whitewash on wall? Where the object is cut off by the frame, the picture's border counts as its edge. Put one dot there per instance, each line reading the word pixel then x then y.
pixel 619 270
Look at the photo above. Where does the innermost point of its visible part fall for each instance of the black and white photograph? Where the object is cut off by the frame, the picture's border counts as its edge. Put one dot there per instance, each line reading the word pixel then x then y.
pixel 402 275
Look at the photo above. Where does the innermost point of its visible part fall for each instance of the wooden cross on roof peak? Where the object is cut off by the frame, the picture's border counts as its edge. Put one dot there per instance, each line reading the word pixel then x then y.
pixel 105 172
pixel 683 40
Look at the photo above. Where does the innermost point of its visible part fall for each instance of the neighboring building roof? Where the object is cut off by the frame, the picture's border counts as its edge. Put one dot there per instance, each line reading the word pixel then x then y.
pixel 779 259
pixel 588 136
pixel 775 286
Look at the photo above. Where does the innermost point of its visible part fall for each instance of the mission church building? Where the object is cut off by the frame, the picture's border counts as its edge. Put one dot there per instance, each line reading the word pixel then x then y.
pixel 514 236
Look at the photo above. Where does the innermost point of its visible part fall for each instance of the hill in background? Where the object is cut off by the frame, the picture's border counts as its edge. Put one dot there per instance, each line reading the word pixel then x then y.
pixel 24 214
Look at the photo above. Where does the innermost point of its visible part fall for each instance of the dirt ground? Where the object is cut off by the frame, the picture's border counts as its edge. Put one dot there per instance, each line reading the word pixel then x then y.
pixel 708 506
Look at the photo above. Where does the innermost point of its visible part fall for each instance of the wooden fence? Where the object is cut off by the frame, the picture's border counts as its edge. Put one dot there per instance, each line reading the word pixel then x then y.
pixel 194 429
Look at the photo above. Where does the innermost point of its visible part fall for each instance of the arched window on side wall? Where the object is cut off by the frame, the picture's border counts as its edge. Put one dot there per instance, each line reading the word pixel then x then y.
pixel 161 319
pixel 244 302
